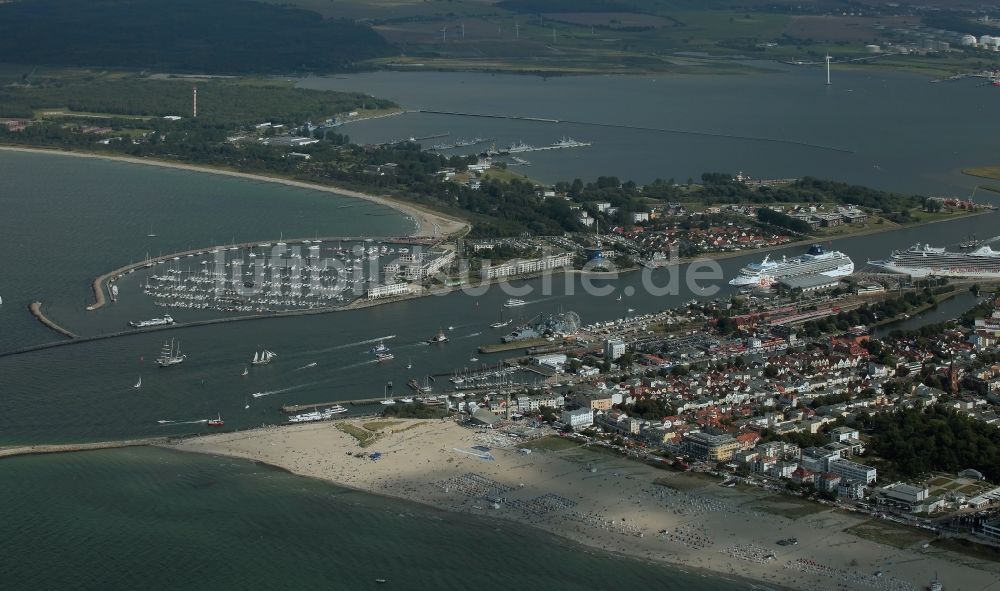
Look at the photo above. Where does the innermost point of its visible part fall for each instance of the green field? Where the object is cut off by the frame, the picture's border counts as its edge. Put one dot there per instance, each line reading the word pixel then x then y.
pixel 892 534
pixel 364 436
pixel 788 506
pixel 551 443
pixel 685 481
pixel 986 172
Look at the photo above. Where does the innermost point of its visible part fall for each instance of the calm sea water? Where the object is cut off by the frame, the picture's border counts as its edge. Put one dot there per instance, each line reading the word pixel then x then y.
pixel 155 519
pixel 901 133
pixel 66 220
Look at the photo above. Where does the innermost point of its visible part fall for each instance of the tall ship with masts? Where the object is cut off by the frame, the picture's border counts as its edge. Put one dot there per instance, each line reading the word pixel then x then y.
pixel 924 260
pixel 170 354
pixel 262 357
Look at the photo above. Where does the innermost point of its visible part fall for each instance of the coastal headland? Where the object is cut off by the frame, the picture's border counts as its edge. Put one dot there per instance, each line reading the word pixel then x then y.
pixel 604 501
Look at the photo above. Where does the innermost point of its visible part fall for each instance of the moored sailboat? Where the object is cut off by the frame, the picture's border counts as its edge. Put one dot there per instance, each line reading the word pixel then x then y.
pixel 500 323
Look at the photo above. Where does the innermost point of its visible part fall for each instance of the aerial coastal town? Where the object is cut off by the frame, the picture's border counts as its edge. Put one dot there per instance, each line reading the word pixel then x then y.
pixel 489 294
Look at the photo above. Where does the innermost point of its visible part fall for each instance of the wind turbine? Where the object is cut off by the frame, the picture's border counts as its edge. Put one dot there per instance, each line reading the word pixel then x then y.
pixel 444 34
pixel 828 69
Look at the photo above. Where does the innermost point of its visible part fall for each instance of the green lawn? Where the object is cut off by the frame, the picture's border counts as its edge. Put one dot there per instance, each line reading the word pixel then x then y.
pixel 686 481
pixel 379 425
pixel 551 443
pixel 364 437
pixel 967 548
pixel 788 506
pixel 892 534
pixel 986 172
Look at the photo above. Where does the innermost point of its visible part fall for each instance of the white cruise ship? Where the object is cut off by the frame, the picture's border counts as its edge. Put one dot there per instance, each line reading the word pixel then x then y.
pixel 815 262
pixel 923 260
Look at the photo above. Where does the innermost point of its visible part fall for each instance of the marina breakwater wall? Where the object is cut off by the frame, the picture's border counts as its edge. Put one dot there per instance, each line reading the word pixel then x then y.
pixel 644 128
pixel 36 310
pixel 75 339
pixel 23 450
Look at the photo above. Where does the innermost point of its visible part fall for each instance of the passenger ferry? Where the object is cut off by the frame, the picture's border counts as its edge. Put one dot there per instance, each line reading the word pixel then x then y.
pixel 923 260
pixel 152 322
pixel 815 262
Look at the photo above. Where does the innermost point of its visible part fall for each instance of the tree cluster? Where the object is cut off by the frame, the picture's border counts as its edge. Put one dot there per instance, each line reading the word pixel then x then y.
pixel 235 36
pixel 918 442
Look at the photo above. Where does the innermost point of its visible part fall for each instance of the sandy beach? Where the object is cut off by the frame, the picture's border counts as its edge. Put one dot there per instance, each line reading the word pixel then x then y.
pixel 428 223
pixel 607 502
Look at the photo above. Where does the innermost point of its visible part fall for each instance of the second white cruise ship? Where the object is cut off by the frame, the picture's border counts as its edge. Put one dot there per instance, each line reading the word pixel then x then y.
pixel 924 260
pixel 815 262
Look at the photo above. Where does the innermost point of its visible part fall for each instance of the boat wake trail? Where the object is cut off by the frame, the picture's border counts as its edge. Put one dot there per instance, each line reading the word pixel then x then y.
pixel 289 389
pixel 166 422
pixel 355 344
pixel 305 367
pixel 353 365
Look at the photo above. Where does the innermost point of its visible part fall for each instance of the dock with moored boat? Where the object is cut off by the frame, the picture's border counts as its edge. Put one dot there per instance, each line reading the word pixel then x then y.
pixel 292 409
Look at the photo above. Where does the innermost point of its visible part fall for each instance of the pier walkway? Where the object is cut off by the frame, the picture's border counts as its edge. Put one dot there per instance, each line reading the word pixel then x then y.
pixel 641 128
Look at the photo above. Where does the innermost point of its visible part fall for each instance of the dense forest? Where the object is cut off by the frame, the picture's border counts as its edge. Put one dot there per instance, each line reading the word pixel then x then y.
pixel 957 22
pixel 934 440
pixel 771 217
pixel 722 188
pixel 220 101
pixel 217 36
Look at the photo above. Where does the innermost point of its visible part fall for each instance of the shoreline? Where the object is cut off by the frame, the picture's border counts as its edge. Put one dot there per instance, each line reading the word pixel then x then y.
pixel 428 223
pixel 704 572
pixel 602 501
pixel 823 239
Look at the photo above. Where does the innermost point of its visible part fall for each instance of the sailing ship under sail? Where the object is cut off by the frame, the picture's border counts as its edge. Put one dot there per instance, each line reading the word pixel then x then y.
pixel 262 357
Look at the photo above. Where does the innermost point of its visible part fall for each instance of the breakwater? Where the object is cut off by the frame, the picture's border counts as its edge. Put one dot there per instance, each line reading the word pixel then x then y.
pixel 9 452
pixel 643 128
pixel 36 310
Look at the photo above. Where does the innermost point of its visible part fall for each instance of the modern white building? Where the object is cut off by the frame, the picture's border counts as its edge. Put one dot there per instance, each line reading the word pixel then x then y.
pixel 578 418
pixel 553 361
pixel 613 349
pixel 520 267
pixel 386 291
pixel 853 471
